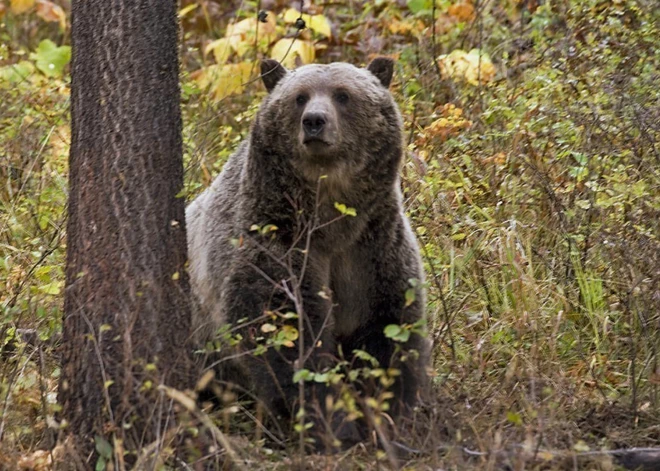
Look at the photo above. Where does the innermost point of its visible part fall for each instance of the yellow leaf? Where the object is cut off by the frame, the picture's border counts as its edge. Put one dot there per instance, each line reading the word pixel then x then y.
pixel 545 455
pixel 185 10
pixel 461 11
pixel 221 49
pixel 53 288
pixel 497 159
pixel 59 149
pixel 266 328
pixel 291 15
pixel 21 6
pixel 237 34
pixel 49 11
pixel 223 80
pixel 450 123
pixel 286 52
pixel 241 27
pixel 242 35
pixel 581 446
pixel 474 67
pixel 290 332
pixel 400 27
pixel 318 23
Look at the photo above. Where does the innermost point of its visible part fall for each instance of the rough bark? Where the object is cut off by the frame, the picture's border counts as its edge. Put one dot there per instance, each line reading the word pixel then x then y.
pixel 126 304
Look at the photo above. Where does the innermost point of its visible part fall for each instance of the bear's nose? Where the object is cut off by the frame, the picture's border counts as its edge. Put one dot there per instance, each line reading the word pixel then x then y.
pixel 313 123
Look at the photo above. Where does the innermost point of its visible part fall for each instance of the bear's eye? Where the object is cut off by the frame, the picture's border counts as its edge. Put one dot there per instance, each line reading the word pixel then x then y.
pixel 341 97
pixel 301 99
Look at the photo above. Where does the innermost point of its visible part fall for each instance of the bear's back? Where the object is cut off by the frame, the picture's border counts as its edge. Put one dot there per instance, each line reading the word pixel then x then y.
pixel 211 225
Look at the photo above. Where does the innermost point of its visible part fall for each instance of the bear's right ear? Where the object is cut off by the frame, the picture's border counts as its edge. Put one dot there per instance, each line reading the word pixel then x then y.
pixel 271 73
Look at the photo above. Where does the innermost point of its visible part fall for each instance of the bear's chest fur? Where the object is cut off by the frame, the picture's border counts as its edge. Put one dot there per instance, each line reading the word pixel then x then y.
pixel 349 283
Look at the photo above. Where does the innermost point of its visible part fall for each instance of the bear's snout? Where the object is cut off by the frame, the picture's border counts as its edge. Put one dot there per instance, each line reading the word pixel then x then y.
pixel 318 125
pixel 313 123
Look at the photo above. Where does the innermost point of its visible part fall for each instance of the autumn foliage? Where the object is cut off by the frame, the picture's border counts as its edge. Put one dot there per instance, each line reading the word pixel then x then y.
pixel 531 179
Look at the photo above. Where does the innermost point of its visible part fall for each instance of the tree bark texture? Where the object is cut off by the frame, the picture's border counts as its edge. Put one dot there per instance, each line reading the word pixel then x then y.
pixel 126 305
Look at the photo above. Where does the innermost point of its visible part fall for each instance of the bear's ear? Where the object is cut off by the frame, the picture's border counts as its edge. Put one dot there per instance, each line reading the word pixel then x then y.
pixel 382 68
pixel 271 73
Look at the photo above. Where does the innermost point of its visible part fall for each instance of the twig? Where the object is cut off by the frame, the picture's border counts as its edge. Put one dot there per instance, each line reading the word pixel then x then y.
pixel 191 407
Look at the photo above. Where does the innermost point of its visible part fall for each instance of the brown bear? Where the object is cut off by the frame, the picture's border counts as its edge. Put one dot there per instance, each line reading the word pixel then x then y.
pixel 305 228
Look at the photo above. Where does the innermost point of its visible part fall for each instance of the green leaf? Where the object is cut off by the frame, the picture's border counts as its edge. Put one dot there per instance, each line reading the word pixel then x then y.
pixel 410 296
pixel 16 73
pixel 321 377
pixel 268 228
pixel 51 59
pixel 397 333
pixel 362 355
pixel 392 330
pixel 417 6
pixel 100 464
pixel 302 375
pixel 103 448
pixel 514 418
pixel 51 288
pixel 298 428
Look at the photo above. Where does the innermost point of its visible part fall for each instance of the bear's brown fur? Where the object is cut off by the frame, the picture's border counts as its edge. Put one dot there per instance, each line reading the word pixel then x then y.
pixel 325 134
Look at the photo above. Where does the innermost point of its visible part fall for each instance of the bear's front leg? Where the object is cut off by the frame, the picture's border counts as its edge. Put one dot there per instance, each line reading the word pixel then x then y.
pixel 389 260
pixel 282 314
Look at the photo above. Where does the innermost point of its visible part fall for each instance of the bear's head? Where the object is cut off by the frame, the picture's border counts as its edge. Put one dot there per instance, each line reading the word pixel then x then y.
pixel 330 119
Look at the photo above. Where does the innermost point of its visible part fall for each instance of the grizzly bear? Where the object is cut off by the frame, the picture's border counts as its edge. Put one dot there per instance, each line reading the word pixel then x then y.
pixel 301 244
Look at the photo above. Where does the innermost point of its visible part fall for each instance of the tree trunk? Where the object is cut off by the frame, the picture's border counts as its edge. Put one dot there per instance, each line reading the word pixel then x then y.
pixel 126 305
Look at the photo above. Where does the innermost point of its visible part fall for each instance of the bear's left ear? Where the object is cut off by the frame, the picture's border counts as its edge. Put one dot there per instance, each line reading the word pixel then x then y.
pixel 382 68
pixel 271 73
